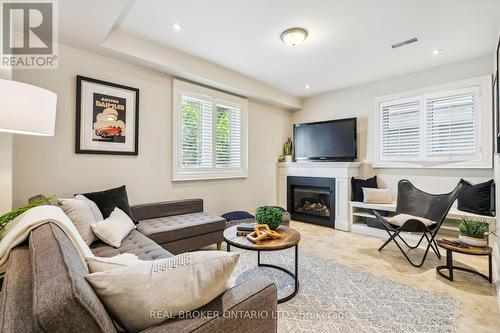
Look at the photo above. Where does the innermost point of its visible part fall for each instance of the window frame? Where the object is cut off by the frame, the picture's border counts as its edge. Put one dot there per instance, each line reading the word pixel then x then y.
pixel 484 127
pixel 217 97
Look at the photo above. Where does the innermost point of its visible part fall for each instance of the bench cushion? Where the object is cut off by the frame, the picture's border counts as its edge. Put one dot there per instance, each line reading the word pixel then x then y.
pixel 171 228
pixel 135 243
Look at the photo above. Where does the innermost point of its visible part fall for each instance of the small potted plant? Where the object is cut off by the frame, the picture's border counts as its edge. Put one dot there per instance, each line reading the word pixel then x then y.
pixel 288 150
pixel 473 232
pixel 271 216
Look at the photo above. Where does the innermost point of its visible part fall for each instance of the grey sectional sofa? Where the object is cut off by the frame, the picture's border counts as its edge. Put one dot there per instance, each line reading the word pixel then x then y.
pixel 44 289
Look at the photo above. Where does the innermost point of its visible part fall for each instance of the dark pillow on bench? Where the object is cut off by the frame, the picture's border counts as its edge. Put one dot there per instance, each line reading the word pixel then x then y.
pixel 108 200
pixel 477 199
pixel 358 184
pixel 237 215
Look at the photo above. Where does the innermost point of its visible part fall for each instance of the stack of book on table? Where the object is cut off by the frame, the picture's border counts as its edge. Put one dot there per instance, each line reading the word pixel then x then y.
pixel 245 228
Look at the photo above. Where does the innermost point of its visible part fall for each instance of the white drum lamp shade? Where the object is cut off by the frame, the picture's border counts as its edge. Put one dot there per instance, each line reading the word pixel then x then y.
pixel 26 109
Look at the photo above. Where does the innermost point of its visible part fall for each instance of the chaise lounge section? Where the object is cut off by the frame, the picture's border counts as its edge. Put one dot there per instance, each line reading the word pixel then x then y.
pixel 179 226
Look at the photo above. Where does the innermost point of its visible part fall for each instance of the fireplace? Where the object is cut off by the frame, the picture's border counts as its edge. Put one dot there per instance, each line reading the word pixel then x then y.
pixel 312 199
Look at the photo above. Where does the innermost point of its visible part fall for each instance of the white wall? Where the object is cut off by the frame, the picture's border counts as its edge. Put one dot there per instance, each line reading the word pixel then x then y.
pixel 358 102
pixel 5 162
pixel 50 166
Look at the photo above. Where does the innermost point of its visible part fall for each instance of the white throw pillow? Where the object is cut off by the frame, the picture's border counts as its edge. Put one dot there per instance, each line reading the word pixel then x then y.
pixel 80 213
pixel 135 294
pixel 400 219
pixel 97 212
pixel 377 195
pixel 115 228
pixel 101 264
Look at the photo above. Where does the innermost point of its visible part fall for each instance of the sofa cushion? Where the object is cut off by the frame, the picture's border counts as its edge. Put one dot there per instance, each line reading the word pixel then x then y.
pixel 135 243
pixel 171 228
pixel 63 301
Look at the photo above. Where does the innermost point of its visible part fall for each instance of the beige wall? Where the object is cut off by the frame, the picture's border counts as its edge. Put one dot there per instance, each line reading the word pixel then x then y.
pixel 5 161
pixel 50 166
pixel 358 102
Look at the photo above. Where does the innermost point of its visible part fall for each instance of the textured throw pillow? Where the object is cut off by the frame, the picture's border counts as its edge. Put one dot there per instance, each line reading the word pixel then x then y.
pixel 108 200
pixel 377 195
pixel 358 184
pixel 477 199
pixel 114 229
pixel 400 219
pixel 95 210
pixel 101 264
pixel 168 286
pixel 80 213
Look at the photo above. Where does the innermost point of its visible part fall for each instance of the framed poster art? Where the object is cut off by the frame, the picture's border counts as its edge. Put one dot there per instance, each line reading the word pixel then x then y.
pixel 107 118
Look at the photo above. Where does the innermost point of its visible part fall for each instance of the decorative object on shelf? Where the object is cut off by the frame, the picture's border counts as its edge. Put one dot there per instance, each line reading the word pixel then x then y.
pixel 271 216
pixel 288 150
pixel 107 118
pixel 473 232
pixel 262 232
pixel 8 217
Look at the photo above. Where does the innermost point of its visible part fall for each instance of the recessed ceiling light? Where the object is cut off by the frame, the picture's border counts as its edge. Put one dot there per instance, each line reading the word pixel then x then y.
pixel 293 36
pixel 308 86
pixel 437 51
pixel 176 26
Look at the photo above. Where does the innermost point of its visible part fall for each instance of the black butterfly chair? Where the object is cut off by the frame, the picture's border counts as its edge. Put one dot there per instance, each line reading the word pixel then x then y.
pixel 415 202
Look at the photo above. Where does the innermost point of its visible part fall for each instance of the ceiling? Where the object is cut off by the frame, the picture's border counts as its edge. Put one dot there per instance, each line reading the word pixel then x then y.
pixel 349 41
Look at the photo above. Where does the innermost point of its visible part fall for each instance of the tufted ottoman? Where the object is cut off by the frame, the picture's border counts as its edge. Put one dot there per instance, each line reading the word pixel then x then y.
pixel 179 226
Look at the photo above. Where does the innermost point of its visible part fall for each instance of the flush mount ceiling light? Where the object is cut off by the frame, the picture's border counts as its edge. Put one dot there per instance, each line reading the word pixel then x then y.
pixel 293 36
pixel 176 26
pixel 437 51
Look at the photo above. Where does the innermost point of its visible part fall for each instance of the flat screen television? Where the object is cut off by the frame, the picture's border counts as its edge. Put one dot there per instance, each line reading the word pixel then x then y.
pixel 332 140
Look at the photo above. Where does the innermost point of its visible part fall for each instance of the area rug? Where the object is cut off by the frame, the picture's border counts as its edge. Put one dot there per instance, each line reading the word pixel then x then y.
pixel 338 298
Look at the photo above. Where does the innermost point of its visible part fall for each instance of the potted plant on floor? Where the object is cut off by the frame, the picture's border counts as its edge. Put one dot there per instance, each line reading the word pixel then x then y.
pixel 473 232
pixel 288 150
pixel 271 216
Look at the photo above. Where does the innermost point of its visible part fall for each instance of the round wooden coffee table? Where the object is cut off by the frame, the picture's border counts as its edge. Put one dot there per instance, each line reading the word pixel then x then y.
pixel 289 238
pixel 471 250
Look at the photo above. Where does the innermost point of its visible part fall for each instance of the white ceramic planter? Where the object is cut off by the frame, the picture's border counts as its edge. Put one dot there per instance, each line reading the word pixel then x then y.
pixel 288 158
pixel 472 241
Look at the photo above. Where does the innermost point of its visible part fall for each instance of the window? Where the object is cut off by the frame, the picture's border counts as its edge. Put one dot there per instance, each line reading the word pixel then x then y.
pixel 446 126
pixel 209 133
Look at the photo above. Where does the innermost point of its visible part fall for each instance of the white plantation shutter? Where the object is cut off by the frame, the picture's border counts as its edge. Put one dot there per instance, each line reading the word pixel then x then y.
pixel 228 137
pixel 196 140
pixel 451 124
pixel 400 129
pixel 210 134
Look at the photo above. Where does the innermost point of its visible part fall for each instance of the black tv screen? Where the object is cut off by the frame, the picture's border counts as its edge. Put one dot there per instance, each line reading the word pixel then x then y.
pixel 332 140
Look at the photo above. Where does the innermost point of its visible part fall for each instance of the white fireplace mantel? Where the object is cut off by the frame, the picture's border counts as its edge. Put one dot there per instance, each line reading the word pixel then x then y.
pixel 341 171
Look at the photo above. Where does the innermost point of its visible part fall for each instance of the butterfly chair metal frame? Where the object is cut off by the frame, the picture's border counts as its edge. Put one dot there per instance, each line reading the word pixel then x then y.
pixel 413 201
